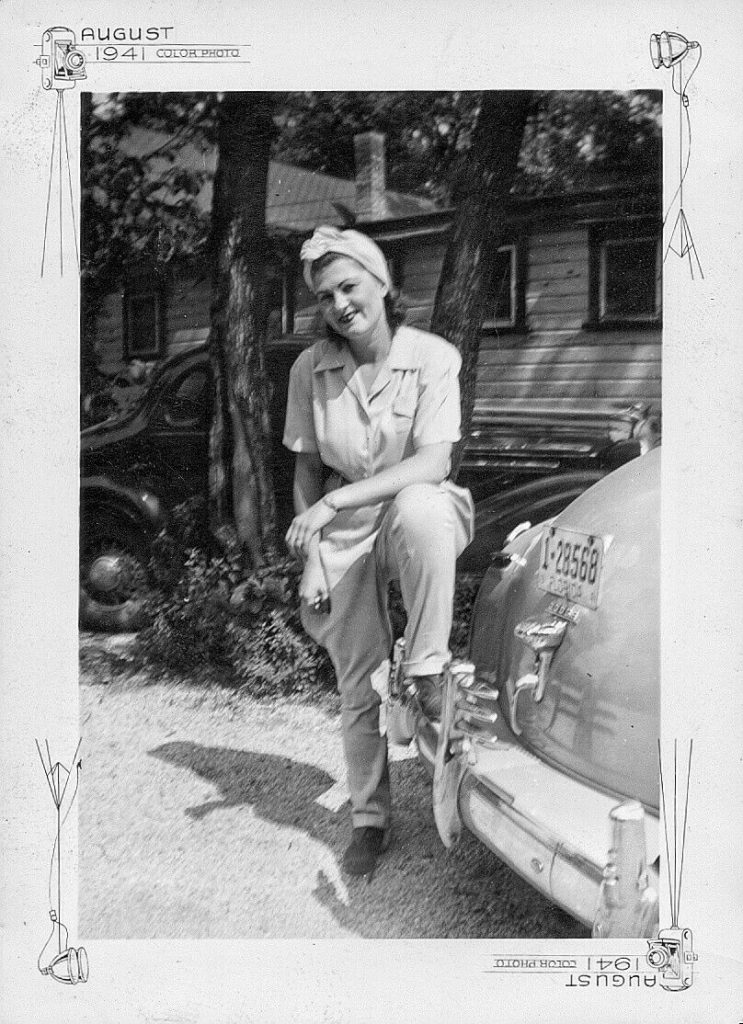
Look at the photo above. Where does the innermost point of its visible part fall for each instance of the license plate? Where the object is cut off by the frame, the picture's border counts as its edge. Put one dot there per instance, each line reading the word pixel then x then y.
pixel 571 564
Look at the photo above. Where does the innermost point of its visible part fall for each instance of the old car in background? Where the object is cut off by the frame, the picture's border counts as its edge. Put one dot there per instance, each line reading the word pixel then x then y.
pixel 525 467
pixel 515 508
pixel 136 467
pixel 547 749
pixel 515 447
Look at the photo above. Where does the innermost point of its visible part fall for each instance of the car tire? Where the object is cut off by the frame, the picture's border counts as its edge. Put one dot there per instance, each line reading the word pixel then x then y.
pixel 114 576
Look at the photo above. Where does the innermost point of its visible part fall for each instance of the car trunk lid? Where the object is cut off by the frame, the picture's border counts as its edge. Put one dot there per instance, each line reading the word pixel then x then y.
pixel 598 716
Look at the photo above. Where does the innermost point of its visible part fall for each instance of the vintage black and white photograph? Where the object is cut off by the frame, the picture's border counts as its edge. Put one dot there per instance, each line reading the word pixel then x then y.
pixel 369 558
pixel 370 539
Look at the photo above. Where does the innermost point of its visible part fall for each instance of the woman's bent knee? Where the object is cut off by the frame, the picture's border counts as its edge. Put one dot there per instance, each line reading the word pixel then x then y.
pixel 418 500
pixel 422 508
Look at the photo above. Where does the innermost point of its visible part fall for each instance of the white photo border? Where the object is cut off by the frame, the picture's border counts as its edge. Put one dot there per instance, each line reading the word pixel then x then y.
pixel 358 45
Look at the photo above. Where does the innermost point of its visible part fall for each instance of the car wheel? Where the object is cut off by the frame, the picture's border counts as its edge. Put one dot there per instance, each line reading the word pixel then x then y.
pixel 113 576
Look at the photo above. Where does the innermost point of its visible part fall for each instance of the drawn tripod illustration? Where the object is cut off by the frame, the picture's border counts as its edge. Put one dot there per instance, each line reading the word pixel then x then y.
pixel 672 953
pixel 62 66
pixel 68 965
pixel 670 50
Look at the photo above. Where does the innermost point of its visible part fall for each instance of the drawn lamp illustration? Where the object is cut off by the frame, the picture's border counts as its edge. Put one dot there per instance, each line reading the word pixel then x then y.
pixel 68 965
pixel 670 50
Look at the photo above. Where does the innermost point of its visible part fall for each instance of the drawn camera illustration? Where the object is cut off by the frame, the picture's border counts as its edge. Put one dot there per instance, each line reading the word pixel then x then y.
pixel 61 63
pixel 672 955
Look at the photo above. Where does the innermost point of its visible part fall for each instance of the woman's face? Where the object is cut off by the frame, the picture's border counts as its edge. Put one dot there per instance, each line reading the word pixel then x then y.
pixel 351 299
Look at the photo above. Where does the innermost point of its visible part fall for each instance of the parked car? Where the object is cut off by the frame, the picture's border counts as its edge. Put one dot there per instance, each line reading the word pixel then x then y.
pixel 136 467
pixel 506 449
pixel 517 508
pixel 547 749
pixel 525 467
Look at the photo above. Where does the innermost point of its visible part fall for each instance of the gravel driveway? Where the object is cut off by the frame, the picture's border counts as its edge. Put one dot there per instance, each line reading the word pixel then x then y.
pixel 199 818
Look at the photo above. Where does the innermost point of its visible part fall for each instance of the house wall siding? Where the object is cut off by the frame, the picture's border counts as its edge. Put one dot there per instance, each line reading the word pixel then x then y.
pixel 422 269
pixel 187 314
pixel 557 364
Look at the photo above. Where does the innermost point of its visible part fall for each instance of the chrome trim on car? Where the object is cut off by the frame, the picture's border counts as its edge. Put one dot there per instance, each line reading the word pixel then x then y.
pixel 556 869
pixel 517 531
pixel 628 903
pixel 542 637
pixel 449 762
pixel 616 897
pixel 530 681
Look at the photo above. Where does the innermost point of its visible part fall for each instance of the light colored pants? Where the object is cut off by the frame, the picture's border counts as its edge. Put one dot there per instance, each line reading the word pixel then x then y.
pixel 423 531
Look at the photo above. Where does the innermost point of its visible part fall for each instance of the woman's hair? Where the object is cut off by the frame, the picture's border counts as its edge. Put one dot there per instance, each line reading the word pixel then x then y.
pixel 394 313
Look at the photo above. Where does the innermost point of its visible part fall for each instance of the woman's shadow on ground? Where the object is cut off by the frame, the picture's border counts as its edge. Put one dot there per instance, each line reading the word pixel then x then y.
pixel 419 890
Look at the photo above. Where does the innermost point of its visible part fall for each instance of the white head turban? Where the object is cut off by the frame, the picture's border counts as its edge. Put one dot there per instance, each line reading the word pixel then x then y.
pixel 346 243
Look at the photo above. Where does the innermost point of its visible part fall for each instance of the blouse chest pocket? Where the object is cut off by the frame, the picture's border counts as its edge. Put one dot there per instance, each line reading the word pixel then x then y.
pixel 404 405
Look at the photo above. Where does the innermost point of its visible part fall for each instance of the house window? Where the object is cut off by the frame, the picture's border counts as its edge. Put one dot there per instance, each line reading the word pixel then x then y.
pixel 277 311
pixel 506 306
pixel 505 286
pixel 395 255
pixel 144 334
pixel 626 278
pixel 280 295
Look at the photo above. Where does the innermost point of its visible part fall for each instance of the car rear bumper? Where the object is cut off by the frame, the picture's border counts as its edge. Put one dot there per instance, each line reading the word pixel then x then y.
pixel 556 832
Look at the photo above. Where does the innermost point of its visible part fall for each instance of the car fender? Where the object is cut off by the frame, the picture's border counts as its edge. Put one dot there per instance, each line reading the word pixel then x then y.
pixel 497 515
pixel 505 566
pixel 139 507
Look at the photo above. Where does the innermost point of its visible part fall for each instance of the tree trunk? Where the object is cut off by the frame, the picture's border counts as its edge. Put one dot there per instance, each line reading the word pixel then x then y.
pixel 240 479
pixel 90 294
pixel 481 199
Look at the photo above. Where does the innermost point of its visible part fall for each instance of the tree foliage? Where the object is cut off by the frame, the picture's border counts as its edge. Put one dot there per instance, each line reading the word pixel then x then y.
pixel 138 199
pixel 139 202
pixel 579 140
pixel 425 133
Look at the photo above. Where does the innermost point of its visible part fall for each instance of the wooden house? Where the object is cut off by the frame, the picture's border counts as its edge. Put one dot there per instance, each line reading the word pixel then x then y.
pixel 574 320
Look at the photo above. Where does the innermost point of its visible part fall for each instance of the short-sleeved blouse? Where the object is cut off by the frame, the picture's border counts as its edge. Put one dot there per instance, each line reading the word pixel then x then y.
pixel 414 401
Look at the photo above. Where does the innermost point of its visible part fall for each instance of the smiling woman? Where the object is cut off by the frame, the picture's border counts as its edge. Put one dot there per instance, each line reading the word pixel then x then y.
pixel 376 406
pixel 350 299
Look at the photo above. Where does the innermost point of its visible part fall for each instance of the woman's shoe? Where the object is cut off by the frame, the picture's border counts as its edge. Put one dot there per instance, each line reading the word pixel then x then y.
pixel 366 845
pixel 401 718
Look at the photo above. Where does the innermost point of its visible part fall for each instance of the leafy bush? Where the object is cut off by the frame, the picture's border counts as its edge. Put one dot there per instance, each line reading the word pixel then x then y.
pixel 464 599
pixel 211 616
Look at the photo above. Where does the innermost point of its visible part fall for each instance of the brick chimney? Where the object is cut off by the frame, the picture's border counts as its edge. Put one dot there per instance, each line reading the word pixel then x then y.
pixel 371 203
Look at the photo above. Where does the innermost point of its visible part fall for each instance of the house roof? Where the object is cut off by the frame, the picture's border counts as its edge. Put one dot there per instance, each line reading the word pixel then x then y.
pixel 297 199
pixel 625 200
